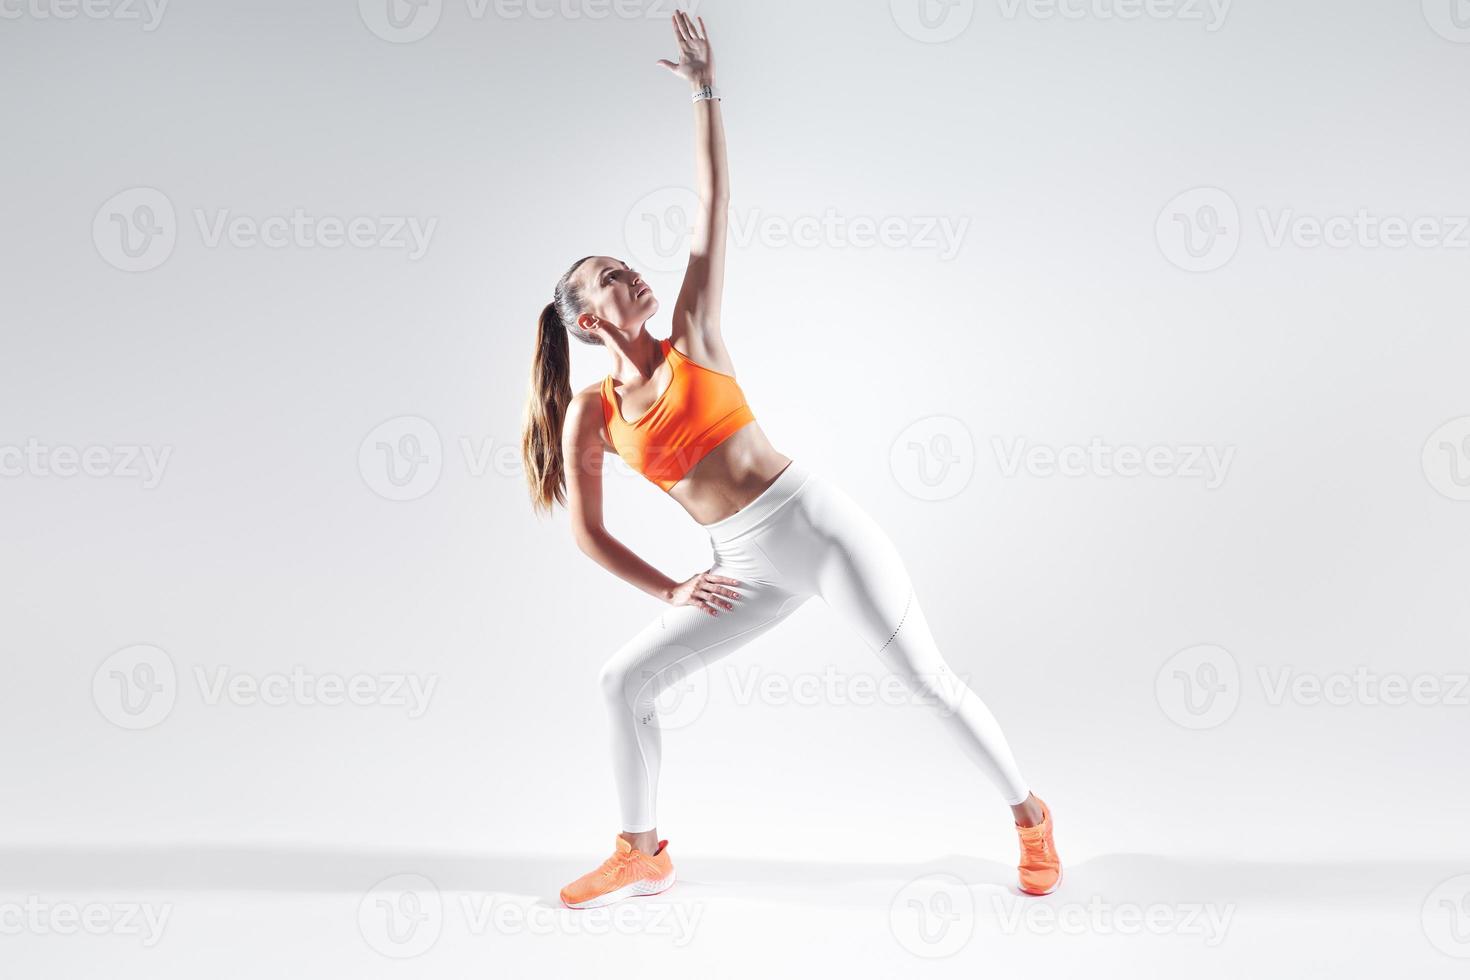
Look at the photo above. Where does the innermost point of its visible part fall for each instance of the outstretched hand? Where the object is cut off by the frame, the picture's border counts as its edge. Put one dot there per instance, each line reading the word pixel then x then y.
pixel 696 62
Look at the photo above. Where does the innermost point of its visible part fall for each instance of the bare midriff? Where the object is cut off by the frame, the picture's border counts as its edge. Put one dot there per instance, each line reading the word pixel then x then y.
pixel 730 475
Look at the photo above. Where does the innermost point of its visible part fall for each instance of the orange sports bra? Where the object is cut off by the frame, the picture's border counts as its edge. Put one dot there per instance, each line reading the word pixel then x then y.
pixel 698 410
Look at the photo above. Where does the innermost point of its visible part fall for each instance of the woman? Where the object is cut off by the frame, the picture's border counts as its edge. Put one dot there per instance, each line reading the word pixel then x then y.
pixel 780 533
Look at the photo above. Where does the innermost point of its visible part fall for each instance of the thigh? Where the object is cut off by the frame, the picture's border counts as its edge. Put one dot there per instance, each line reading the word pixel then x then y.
pixel 683 640
pixel 861 574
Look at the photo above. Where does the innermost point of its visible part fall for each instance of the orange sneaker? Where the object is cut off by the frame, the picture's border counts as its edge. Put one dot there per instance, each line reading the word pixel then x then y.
pixel 1040 868
pixel 629 872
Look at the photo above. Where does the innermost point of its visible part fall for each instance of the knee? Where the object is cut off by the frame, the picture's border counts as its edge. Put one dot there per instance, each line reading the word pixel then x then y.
pixel 613 681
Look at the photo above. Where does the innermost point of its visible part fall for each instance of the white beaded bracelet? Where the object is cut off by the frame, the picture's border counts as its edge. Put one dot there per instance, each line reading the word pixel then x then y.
pixel 706 92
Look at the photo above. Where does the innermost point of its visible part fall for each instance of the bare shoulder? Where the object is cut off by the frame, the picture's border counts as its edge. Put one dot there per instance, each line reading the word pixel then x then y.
pixel 585 419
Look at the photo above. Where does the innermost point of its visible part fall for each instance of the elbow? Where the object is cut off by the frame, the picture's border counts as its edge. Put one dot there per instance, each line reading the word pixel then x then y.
pixel 589 538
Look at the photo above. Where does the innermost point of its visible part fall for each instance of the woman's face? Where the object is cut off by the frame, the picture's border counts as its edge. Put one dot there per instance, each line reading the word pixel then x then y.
pixel 616 294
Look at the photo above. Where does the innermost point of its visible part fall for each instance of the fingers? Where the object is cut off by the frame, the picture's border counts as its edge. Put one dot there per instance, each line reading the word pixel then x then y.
pixel 703 34
pixel 679 26
pixel 714 595
pixel 715 602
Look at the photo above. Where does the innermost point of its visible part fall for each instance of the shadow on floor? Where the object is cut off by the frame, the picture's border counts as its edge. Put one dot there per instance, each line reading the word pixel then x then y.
pixel 1139 878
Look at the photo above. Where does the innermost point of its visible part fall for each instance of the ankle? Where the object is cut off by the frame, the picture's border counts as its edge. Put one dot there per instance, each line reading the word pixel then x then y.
pixel 645 841
pixel 1027 813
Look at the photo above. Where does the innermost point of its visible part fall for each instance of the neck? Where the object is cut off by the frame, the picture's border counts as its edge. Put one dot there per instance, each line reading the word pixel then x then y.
pixel 634 356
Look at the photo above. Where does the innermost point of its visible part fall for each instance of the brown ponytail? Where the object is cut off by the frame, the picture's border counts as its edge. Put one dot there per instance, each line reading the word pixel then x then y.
pixel 551 393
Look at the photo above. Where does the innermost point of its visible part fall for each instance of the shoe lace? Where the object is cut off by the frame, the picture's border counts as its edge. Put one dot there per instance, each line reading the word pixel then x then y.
pixel 616 863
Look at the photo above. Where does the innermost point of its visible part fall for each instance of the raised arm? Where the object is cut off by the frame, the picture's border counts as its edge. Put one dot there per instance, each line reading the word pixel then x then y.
pixel 696 320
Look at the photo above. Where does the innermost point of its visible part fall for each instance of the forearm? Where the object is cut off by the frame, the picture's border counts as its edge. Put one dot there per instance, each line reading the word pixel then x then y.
pixel 711 172
pixel 619 559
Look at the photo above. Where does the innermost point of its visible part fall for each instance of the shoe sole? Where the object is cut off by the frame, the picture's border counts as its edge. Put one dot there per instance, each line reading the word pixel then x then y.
pixel 636 889
pixel 1061 872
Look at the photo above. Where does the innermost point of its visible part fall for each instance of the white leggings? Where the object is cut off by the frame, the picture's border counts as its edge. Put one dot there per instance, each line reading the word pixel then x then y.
pixel 803 536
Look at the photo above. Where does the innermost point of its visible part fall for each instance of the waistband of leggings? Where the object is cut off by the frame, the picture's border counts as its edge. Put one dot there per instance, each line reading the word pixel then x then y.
pixel 764 507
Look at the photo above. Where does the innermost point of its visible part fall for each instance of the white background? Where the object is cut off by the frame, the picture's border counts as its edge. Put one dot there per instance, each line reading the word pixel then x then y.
pixel 1333 542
